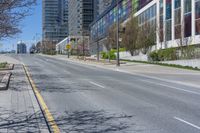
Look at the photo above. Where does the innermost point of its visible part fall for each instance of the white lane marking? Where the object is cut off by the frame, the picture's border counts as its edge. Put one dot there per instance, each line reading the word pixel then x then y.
pixel 156 78
pixel 176 88
pixel 181 120
pixel 96 84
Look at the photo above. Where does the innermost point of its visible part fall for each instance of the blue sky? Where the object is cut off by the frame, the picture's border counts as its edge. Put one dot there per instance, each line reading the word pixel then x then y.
pixel 30 26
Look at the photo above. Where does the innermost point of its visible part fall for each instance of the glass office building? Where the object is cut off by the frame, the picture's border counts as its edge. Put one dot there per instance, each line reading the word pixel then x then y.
pixel 81 14
pixel 54 20
pixel 171 18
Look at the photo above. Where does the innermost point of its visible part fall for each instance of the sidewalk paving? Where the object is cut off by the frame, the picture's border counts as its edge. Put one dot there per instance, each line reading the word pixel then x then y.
pixel 19 110
pixel 163 73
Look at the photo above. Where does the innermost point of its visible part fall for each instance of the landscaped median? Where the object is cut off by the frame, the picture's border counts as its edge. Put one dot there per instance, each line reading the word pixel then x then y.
pixel 5 66
pixel 5 75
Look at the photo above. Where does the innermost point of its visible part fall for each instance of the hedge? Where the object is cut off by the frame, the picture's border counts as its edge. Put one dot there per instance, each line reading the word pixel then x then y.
pixel 187 52
pixel 111 53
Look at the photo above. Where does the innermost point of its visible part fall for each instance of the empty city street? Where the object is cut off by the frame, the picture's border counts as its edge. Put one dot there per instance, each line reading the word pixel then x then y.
pixel 88 99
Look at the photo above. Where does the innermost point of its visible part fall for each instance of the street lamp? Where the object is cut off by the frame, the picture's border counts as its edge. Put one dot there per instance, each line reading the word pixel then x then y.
pixel 118 60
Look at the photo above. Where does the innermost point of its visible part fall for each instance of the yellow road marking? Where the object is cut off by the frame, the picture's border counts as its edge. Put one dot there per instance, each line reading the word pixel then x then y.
pixel 47 113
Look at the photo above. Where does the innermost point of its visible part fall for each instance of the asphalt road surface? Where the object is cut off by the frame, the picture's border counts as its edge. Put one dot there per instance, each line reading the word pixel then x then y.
pixel 89 99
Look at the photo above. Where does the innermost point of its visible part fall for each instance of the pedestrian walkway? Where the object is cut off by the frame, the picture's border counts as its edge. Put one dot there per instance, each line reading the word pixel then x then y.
pixel 19 110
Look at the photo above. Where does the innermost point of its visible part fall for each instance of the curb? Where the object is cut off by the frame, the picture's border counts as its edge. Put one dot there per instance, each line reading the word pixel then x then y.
pixel 5 82
pixel 50 122
pixel 11 66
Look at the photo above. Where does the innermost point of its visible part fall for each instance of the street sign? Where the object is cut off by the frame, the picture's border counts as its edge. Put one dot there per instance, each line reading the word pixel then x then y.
pixel 68 46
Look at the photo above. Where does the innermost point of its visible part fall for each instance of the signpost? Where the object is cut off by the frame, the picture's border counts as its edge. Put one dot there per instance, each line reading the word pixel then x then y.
pixel 68 47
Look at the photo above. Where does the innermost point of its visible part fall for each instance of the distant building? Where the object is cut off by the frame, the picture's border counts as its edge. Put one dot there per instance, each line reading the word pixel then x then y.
pixel 54 20
pixel 21 48
pixel 81 14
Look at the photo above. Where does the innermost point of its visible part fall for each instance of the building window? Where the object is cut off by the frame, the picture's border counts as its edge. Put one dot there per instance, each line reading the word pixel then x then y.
pixel 168 9
pixel 197 16
pixel 168 30
pixel 177 18
pixel 177 4
pixel 161 21
pixel 188 25
pixel 168 22
pixel 187 18
pixel 187 6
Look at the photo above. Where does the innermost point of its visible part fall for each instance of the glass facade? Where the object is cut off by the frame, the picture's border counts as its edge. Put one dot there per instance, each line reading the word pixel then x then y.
pixel 177 18
pixel 168 22
pixel 102 25
pixel 197 16
pixel 148 17
pixel 181 13
pixel 126 8
pixel 161 21
pixel 187 18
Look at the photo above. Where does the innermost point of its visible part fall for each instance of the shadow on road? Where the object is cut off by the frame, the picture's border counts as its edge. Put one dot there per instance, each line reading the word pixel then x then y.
pixel 94 122
pixel 60 84
pixel 67 87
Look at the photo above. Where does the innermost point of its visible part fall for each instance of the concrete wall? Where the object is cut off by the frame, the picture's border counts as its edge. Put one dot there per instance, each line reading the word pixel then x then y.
pixel 127 55
pixel 192 62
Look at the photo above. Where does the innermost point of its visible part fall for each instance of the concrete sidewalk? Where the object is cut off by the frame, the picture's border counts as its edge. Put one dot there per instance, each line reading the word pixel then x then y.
pixel 163 73
pixel 19 110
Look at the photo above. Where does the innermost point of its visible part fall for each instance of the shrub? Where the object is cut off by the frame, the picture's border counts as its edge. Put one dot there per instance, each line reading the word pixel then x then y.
pixel 167 54
pixel 153 56
pixel 106 55
pixel 112 55
pixel 3 64
pixel 188 52
pixel 163 55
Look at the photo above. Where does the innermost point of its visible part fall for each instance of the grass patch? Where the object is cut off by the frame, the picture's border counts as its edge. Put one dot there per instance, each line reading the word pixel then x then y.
pixel 3 64
pixel 165 64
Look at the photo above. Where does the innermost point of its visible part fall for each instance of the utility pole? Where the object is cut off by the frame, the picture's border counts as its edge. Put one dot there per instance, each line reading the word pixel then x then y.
pixel 118 61
pixel 84 34
pixel 83 47
pixel 97 44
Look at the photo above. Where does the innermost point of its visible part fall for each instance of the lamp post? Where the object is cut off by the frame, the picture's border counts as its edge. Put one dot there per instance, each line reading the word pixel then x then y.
pixel 118 60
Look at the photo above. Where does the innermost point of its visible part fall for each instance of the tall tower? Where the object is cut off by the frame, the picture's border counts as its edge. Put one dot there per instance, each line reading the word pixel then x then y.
pixel 54 19
pixel 81 14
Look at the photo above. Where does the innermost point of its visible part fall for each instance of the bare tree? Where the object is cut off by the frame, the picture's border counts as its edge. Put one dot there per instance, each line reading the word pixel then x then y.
pixel 181 39
pixel 39 47
pixel 160 33
pixel 147 37
pixel 49 47
pixel 111 40
pixel 11 14
pixel 131 35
